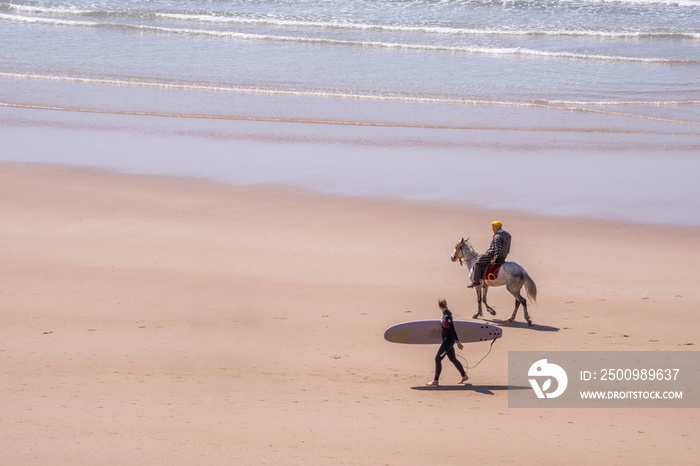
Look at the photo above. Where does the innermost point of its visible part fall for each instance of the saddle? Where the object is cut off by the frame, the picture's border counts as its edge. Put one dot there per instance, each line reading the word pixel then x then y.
pixel 491 271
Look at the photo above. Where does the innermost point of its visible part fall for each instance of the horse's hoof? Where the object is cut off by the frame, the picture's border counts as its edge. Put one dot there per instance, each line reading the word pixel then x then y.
pixel 475 316
pixel 492 312
pixel 529 323
pixel 509 320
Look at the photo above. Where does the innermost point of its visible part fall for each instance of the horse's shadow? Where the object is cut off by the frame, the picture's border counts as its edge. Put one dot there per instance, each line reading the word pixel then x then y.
pixel 505 323
pixel 483 389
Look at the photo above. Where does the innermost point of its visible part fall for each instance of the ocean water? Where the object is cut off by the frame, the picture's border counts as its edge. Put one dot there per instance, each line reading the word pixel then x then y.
pixel 558 107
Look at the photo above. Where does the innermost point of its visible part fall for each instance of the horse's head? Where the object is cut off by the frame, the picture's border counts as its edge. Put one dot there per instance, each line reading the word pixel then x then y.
pixel 463 252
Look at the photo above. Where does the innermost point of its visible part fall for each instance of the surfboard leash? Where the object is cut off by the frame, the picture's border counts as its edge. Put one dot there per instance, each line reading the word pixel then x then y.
pixel 487 353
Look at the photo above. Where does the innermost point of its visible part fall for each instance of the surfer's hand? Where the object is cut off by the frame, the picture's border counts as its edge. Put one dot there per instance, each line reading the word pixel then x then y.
pixel 460 345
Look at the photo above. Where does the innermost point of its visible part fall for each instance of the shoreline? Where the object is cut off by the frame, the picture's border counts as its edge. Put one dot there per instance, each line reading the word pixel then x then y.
pixel 626 177
pixel 380 124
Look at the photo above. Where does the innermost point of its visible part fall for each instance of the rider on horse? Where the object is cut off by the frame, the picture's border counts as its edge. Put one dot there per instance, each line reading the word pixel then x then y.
pixel 496 254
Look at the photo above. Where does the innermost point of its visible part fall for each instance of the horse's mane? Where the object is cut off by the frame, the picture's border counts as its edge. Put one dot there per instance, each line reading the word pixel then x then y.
pixel 470 248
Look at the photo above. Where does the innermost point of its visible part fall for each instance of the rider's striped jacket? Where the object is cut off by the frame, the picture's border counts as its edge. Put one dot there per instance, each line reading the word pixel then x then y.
pixel 500 246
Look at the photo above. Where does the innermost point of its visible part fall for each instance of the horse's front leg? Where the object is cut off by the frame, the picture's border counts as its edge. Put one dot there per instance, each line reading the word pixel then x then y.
pixel 478 300
pixel 488 308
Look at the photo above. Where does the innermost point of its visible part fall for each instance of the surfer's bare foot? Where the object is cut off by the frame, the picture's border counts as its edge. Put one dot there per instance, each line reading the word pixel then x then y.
pixel 464 379
pixel 433 383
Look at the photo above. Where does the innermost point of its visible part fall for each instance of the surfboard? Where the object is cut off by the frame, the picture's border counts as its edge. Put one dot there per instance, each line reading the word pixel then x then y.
pixel 426 332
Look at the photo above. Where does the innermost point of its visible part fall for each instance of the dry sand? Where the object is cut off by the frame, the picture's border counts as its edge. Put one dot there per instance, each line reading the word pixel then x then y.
pixel 153 320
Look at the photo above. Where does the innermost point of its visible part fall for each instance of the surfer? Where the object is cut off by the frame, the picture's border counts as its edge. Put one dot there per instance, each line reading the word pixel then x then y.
pixel 495 254
pixel 449 338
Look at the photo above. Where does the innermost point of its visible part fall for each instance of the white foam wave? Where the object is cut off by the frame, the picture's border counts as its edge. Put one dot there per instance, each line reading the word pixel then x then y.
pixel 339 94
pixel 515 51
pixel 230 18
pixel 621 103
pixel 666 3
pixel 56 10
pixel 41 20
pixel 440 30
pixel 242 89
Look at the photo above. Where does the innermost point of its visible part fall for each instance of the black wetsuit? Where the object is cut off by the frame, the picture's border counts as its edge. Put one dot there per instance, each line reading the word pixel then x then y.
pixel 449 338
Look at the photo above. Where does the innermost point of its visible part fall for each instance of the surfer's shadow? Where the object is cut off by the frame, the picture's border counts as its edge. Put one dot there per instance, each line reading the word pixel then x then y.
pixel 483 389
pixel 537 327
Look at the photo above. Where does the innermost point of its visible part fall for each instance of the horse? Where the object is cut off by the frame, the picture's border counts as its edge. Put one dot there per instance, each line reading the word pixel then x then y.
pixel 511 275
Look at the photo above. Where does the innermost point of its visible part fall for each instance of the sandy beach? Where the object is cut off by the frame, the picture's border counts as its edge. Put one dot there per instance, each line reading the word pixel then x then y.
pixel 155 320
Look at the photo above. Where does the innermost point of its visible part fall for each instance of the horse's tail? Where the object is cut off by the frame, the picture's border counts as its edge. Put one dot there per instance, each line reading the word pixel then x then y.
pixel 530 287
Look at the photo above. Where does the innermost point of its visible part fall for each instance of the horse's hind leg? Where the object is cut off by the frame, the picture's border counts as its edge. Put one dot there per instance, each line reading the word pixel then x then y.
pixel 527 316
pixel 515 311
pixel 518 301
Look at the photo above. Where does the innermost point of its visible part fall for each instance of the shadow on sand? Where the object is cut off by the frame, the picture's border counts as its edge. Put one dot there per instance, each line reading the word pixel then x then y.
pixel 505 323
pixel 484 389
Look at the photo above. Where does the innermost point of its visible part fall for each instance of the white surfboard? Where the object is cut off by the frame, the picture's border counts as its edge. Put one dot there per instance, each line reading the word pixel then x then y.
pixel 425 332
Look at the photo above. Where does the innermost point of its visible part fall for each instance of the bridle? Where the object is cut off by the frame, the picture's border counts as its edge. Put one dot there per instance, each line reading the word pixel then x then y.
pixel 460 248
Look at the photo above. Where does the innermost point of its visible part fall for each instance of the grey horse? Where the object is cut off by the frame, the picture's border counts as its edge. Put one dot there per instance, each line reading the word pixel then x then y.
pixel 511 275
